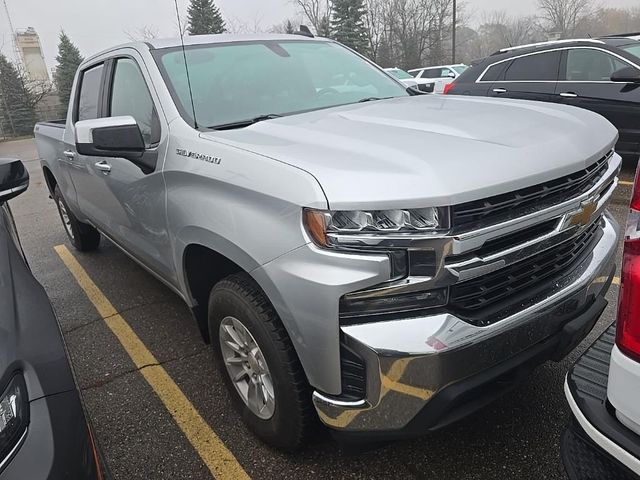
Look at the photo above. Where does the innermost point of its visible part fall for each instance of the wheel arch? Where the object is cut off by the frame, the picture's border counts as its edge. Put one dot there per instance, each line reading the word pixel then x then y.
pixel 49 179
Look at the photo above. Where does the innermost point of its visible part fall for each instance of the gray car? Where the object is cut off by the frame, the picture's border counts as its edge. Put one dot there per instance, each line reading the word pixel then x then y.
pixel 383 261
pixel 43 430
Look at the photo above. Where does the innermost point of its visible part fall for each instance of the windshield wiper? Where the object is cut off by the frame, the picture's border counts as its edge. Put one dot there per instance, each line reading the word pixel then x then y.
pixel 245 123
pixel 373 99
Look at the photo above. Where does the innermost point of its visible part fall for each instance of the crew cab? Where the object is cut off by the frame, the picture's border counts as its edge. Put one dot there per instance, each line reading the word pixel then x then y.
pixel 386 261
pixel 602 388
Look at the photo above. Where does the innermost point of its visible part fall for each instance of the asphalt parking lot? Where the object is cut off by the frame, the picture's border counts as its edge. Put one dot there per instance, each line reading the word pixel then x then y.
pixel 182 425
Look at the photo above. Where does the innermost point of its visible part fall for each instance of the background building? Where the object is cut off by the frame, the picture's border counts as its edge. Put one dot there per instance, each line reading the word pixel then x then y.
pixel 28 44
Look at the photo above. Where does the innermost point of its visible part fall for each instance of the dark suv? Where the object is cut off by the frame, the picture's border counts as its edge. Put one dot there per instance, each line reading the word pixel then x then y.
pixel 43 428
pixel 602 75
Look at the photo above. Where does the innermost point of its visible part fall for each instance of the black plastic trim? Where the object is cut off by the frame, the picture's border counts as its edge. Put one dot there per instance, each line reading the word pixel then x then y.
pixel 587 382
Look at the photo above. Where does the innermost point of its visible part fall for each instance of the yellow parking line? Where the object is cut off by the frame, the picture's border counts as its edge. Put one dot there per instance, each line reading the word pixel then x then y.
pixel 624 182
pixel 616 280
pixel 219 460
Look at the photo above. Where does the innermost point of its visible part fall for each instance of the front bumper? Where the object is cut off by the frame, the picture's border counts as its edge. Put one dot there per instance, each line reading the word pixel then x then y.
pixel 57 443
pixel 424 373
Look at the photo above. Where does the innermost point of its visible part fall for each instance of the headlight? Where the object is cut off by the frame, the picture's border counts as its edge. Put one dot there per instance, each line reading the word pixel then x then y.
pixel 322 224
pixel 14 415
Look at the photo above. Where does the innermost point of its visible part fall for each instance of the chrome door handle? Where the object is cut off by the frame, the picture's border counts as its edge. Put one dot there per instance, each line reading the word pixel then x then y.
pixel 568 95
pixel 69 154
pixel 103 166
pixel 499 90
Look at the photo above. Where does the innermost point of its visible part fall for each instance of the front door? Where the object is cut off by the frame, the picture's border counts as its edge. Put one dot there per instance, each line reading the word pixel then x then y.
pixel 126 200
pixel 586 82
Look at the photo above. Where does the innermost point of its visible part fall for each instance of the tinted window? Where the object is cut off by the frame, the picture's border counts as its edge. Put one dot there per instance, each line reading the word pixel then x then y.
pixel 89 93
pixel 633 49
pixel 130 96
pixel 243 80
pixel 589 65
pixel 494 73
pixel 431 73
pixel 534 68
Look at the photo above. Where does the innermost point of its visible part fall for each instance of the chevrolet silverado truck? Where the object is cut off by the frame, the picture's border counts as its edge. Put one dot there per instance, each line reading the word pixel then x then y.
pixel 384 261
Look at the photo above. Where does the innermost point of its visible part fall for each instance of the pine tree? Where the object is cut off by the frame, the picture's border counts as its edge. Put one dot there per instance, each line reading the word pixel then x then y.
pixel 68 59
pixel 17 112
pixel 204 18
pixel 347 24
pixel 288 27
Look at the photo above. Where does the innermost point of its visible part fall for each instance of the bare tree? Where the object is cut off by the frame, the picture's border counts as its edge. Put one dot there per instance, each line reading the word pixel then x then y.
pixel 564 16
pixel 144 33
pixel 236 25
pixel 318 12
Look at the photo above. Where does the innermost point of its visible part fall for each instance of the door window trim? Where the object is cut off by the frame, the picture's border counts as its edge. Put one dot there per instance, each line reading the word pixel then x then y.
pixel 563 49
pixel 108 90
pixel 76 96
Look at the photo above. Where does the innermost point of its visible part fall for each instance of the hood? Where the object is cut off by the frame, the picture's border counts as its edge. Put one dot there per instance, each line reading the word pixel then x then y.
pixel 30 340
pixel 431 150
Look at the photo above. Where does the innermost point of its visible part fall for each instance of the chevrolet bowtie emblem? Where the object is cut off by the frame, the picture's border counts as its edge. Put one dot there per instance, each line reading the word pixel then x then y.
pixel 583 217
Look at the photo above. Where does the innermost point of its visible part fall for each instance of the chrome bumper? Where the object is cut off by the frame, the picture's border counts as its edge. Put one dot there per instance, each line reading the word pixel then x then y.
pixel 409 361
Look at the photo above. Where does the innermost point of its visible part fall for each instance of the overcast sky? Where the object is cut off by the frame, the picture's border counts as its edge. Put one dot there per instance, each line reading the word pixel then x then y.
pixel 97 24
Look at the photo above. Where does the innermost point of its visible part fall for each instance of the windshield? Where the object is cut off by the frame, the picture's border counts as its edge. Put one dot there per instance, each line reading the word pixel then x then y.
pixel 400 74
pixel 460 69
pixel 633 49
pixel 241 81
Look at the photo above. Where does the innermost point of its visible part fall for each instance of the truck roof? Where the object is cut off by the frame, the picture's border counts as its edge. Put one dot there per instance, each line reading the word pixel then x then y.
pixel 158 43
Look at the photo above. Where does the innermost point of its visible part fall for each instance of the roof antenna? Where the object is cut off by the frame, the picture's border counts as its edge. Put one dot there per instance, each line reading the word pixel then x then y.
pixel 304 31
pixel 186 67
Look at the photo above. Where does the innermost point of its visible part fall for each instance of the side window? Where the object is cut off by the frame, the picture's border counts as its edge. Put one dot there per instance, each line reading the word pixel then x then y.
pixel 534 68
pixel 130 96
pixel 430 73
pixel 89 97
pixel 589 65
pixel 495 72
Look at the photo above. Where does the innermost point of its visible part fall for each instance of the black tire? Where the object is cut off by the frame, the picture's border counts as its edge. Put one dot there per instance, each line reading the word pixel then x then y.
pixel 240 297
pixel 82 236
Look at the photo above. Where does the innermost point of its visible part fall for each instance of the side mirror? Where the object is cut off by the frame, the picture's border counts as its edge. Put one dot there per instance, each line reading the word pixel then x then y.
pixel 451 75
pixel 14 178
pixel 626 75
pixel 110 137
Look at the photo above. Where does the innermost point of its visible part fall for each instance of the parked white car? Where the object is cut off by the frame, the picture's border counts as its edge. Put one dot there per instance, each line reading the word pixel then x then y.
pixel 602 388
pixel 422 84
pixel 441 75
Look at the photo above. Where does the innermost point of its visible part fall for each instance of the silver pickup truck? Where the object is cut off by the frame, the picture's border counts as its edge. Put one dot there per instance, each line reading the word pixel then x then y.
pixel 385 261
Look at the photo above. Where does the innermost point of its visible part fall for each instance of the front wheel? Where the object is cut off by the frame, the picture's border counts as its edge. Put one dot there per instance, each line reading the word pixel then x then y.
pixel 256 358
pixel 82 236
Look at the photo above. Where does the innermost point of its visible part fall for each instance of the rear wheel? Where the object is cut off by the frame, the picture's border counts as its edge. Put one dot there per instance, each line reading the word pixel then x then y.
pixel 256 358
pixel 84 237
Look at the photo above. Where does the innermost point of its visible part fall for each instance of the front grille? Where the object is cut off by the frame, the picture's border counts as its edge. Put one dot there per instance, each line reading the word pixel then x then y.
pixel 473 299
pixel 488 211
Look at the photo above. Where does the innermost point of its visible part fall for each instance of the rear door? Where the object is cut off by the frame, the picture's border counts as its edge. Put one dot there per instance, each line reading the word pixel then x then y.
pixel 529 77
pixel 86 106
pixel 585 82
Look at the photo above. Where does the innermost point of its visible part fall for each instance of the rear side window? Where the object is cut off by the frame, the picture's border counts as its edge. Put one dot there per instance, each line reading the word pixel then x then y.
pixel 589 65
pixel 89 97
pixel 495 72
pixel 534 68
pixel 130 96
